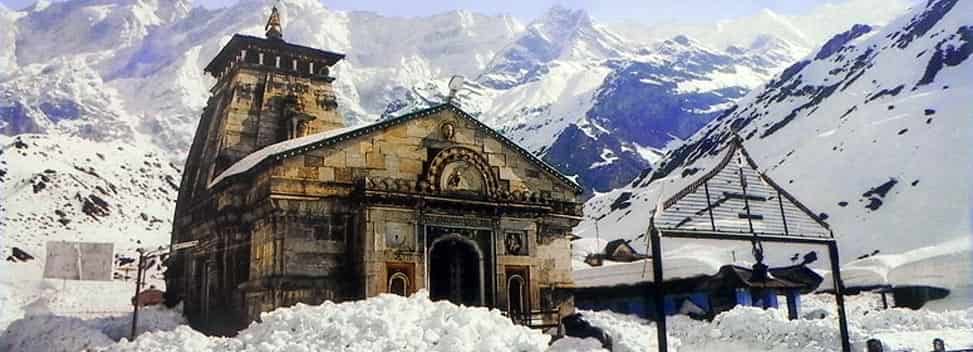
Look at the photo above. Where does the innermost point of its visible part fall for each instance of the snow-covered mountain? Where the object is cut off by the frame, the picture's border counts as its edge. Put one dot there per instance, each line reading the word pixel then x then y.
pixel 601 106
pixel 872 130
pixel 85 76
pixel 67 188
pixel 806 30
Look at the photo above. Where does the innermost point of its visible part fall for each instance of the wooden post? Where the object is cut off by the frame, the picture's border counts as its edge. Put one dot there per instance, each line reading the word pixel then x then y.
pixel 660 308
pixel 135 299
pixel 839 291
pixel 793 303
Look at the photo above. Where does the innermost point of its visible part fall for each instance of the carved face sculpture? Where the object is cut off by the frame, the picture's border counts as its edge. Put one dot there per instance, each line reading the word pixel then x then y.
pixel 448 130
pixel 461 176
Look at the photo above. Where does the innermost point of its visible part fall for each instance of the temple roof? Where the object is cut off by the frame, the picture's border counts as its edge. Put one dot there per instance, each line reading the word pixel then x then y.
pixel 288 148
pixel 737 198
pixel 241 42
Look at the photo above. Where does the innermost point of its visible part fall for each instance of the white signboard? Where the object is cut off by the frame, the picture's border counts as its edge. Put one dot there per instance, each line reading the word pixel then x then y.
pixel 79 261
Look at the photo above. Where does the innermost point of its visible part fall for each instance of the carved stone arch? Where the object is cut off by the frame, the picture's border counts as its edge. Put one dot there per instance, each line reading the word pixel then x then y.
pixel 452 155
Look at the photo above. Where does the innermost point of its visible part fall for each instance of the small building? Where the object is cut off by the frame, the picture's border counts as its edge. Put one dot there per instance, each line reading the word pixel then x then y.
pixel 290 205
pixel 693 293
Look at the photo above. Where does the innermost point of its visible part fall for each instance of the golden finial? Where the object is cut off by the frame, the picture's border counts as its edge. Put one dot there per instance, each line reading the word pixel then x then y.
pixel 273 27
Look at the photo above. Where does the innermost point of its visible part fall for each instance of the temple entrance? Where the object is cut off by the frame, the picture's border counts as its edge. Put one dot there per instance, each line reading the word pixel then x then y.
pixel 518 298
pixel 455 272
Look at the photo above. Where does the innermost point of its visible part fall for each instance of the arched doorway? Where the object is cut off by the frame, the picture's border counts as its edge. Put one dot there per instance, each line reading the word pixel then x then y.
pixel 516 296
pixel 455 271
pixel 399 284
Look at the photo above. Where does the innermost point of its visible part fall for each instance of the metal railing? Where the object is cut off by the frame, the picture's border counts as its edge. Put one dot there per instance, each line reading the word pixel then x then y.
pixel 537 319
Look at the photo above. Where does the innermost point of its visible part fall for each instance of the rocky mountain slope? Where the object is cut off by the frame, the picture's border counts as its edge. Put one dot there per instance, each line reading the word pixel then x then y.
pixel 66 188
pixel 872 131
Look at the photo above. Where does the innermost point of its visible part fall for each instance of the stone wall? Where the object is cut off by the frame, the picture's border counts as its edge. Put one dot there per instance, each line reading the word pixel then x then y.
pixel 401 152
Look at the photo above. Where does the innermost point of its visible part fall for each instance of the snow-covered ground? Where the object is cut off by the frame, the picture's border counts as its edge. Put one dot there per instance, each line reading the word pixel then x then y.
pixel 24 293
pixel 55 315
pixel 51 332
pixel 753 329
pixel 394 323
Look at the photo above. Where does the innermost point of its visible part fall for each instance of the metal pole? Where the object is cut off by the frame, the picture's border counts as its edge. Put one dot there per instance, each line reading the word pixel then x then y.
pixel 660 307
pixel 709 206
pixel 783 218
pixel 135 299
pixel 839 291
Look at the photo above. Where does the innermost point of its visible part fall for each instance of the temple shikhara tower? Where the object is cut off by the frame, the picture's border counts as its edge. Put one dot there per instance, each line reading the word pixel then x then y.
pixel 288 204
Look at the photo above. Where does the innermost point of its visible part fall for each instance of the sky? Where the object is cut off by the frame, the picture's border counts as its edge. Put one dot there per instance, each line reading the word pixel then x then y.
pixel 640 11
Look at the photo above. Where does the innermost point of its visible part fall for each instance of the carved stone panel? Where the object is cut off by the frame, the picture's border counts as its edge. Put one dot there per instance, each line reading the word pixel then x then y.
pixel 515 243
pixel 461 176
pixel 398 236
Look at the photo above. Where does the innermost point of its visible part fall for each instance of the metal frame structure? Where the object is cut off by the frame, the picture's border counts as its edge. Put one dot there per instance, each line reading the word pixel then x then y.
pixel 750 207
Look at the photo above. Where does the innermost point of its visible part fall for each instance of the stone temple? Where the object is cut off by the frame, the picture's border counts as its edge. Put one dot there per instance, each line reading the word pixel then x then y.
pixel 287 204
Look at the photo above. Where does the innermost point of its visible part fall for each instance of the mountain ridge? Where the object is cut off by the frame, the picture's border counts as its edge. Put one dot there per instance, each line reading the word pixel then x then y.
pixel 146 89
pixel 860 120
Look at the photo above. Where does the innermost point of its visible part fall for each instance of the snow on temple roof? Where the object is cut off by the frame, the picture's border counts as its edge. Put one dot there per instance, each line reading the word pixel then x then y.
pixel 255 158
pixel 304 144
pixel 738 198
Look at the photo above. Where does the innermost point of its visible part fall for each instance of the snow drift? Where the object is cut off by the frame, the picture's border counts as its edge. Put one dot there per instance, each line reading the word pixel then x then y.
pixel 382 323
pixel 49 332
pixel 754 329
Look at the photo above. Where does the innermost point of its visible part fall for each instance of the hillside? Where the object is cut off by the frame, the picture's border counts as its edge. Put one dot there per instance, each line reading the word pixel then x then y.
pixel 871 131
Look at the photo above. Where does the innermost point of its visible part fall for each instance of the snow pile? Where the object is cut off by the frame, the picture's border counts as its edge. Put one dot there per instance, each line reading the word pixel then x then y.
pixel 574 344
pixel 940 265
pixel 948 265
pixel 629 333
pixel 382 323
pixel 52 333
pixel 769 328
pixel 910 320
pixel 394 323
pixel 754 329
pixel 62 333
